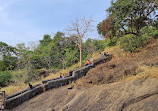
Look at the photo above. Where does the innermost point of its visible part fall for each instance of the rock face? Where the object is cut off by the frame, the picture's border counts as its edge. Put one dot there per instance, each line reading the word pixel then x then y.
pixel 107 87
pixel 18 98
pixel 135 95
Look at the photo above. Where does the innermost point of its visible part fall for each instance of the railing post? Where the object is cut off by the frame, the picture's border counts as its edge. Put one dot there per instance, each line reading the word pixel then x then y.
pixel 2 100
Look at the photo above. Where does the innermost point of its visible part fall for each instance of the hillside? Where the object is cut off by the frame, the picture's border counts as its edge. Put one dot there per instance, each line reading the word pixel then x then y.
pixel 122 84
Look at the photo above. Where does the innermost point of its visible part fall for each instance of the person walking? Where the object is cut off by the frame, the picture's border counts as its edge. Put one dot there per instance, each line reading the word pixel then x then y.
pixel 60 75
pixel 101 55
pixel 89 62
pixel 92 59
pixel 105 54
pixel 30 85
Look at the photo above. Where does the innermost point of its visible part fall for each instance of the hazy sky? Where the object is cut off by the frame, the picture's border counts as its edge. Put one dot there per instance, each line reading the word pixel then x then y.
pixel 22 21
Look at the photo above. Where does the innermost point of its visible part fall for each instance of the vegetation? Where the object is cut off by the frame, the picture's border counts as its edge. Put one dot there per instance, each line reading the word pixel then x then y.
pixel 5 77
pixel 78 30
pixel 129 17
pixel 132 43
pixel 130 25
pixel 51 55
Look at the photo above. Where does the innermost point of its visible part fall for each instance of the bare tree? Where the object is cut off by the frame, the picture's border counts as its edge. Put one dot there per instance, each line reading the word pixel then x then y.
pixel 33 45
pixel 77 30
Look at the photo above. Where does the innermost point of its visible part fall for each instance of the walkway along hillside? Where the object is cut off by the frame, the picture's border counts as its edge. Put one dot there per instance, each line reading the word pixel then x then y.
pixel 24 95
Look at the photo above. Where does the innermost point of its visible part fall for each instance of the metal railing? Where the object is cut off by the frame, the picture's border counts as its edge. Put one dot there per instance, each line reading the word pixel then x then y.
pixel 2 100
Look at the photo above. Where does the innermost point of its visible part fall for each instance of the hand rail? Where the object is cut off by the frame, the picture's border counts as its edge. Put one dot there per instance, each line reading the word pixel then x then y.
pixel 2 100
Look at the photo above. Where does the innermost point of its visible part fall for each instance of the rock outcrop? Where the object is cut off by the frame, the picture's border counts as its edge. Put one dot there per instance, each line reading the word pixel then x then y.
pixel 135 95
pixel 22 96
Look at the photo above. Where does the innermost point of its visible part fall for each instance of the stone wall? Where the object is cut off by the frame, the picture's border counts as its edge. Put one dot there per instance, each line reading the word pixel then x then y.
pixel 22 96
pixel 20 92
pixel 45 81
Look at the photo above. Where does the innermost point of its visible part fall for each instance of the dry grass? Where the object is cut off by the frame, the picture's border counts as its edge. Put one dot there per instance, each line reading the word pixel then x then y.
pixel 64 72
pixel 96 55
pixel 80 82
pixel 14 88
pixel 144 72
pixel 118 53
pixel 51 76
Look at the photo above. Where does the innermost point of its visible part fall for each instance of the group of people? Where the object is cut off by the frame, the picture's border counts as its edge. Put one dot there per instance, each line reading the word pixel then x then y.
pixel 62 75
pixel 101 57
pixel 92 60
pixel 105 55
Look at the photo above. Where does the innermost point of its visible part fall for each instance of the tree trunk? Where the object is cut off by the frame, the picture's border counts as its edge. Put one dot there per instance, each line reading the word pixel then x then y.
pixel 80 53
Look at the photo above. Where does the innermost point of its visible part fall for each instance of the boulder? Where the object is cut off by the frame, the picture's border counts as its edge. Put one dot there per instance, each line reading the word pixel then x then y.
pixel 130 72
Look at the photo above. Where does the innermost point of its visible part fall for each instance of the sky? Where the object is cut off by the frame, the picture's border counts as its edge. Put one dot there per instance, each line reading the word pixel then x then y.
pixel 22 21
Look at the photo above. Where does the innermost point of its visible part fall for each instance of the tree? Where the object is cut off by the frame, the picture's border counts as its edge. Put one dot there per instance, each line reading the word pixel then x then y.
pixel 7 50
pixel 46 40
pixel 77 30
pixel 128 17
pixel 33 45
pixel 8 57
pixel 57 47
pixel 107 28
pixel 21 55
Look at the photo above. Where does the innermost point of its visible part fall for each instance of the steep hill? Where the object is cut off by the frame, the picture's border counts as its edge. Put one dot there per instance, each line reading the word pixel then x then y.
pixel 122 84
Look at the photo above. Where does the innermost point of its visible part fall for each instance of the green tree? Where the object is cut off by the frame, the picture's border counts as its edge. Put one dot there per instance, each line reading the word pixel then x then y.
pixel 5 78
pixel 128 17
pixel 46 40
pixel 21 51
pixel 8 57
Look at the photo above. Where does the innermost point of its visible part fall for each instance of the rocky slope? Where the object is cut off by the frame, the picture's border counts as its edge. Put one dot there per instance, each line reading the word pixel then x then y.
pixel 119 85
pixel 120 96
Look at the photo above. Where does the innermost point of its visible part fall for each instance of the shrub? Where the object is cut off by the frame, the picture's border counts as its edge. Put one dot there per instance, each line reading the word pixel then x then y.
pixel 154 34
pixel 5 78
pixel 111 42
pixel 133 43
pixel 150 31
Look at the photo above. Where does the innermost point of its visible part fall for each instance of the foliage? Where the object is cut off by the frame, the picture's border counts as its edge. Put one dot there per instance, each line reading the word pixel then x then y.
pixel 92 46
pixel 132 43
pixel 150 32
pixel 99 45
pixel 8 58
pixel 107 28
pixel 111 42
pixel 128 17
pixel 8 63
pixel 72 57
pixel 78 30
pixel 58 52
pixel 46 40
pixel 137 15
pixel 6 50
pixel 5 77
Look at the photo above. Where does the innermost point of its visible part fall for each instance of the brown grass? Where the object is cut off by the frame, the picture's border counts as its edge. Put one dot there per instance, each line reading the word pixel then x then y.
pixel 144 72
pixel 14 88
